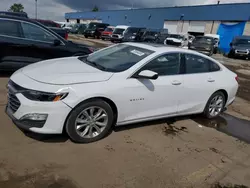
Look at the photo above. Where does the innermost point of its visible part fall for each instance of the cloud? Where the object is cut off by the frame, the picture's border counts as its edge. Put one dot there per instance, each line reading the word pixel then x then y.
pixel 55 9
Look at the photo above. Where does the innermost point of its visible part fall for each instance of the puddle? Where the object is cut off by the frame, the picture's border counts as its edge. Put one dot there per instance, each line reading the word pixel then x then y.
pixel 172 130
pixel 228 124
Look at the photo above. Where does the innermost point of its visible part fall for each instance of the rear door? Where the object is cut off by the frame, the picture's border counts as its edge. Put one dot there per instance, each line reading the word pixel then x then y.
pixel 198 84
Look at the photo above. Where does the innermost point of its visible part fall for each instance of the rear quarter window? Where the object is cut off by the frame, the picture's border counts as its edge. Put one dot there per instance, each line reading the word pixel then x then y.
pixel 10 28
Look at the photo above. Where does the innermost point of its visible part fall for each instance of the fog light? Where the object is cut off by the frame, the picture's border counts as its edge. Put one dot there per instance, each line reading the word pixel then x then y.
pixel 35 117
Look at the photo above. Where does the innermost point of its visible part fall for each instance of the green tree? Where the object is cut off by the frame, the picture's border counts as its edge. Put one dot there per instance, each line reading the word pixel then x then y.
pixel 16 7
pixel 95 9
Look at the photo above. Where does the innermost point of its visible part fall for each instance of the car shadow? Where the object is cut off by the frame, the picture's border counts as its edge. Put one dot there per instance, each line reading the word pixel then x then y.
pixel 46 138
pixel 5 74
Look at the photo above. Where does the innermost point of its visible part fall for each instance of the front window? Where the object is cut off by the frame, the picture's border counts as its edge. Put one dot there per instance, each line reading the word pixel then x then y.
pixel 33 32
pixel 117 58
pixel 118 31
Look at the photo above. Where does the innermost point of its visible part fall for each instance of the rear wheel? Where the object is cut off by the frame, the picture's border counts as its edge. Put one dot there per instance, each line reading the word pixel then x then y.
pixel 90 121
pixel 215 105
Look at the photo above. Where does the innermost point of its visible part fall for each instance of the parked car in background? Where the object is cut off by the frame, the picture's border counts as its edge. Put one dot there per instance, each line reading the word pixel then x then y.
pixel 133 34
pixel 203 44
pixel 67 26
pixel 107 33
pixel 24 41
pixel 18 14
pixel 118 33
pixel 149 36
pixel 75 28
pixel 123 84
pixel 240 47
pixel 81 28
pixel 54 27
pixel 180 40
pixel 95 29
pixel 161 36
pixel 216 41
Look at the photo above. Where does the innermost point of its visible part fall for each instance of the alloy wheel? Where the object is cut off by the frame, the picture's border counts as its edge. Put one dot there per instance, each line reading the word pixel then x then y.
pixel 91 122
pixel 216 105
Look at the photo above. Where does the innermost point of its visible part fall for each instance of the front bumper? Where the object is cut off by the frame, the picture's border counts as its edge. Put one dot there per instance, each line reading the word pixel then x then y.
pixel 57 114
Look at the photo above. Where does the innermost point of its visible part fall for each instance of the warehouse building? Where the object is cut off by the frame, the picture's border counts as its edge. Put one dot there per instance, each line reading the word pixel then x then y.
pixel 227 20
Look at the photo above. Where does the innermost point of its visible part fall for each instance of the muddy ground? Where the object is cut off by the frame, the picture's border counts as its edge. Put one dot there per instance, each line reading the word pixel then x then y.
pixel 176 152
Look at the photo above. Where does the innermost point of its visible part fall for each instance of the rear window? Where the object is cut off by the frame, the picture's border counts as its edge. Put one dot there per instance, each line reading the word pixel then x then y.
pixel 10 28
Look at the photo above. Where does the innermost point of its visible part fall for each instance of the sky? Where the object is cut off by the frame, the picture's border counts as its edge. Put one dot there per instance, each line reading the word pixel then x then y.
pixel 55 9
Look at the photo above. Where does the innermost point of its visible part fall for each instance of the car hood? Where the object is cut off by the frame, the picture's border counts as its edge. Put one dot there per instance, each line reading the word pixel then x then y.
pixel 65 71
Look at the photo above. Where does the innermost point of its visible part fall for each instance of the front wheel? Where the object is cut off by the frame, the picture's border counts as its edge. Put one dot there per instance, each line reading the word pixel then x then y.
pixel 215 105
pixel 90 121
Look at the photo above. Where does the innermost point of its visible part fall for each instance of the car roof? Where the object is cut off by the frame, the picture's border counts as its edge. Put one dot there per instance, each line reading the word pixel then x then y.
pixel 17 18
pixel 122 26
pixel 161 48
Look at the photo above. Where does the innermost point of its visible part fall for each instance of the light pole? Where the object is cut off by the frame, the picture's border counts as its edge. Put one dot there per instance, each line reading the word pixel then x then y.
pixel 36 9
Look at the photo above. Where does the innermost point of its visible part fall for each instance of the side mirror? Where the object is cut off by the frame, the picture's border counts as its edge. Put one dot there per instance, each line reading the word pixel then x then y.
pixel 57 42
pixel 148 75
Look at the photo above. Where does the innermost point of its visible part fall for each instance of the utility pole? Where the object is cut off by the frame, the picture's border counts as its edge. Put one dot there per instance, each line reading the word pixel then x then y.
pixel 36 8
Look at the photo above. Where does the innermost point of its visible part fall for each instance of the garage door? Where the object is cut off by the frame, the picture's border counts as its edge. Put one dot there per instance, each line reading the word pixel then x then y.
pixel 171 26
pixel 197 27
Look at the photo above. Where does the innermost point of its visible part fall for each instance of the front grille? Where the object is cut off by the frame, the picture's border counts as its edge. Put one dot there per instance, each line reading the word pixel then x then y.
pixel 115 36
pixel 242 51
pixel 13 102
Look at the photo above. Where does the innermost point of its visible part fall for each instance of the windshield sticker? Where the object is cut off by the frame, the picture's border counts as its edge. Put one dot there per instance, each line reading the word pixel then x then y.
pixel 136 52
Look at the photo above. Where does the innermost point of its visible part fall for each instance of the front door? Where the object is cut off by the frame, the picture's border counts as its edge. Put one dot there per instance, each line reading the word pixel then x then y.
pixel 150 99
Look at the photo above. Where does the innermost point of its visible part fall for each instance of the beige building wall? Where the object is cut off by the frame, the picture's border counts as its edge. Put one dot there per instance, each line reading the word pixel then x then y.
pixel 212 27
pixel 247 29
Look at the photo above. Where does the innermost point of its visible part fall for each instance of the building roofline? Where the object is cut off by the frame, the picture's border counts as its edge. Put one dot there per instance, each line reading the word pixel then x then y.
pixel 172 7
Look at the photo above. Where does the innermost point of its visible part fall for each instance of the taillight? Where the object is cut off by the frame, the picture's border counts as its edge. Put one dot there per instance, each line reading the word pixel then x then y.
pixel 66 35
pixel 237 78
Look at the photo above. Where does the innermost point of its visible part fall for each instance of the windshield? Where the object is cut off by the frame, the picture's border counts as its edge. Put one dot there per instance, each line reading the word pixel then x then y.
pixel 117 58
pixel 109 29
pixel 150 33
pixel 203 40
pixel 242 42
pixel 92 26
pixel 176 36
pixel 132 30
pixel 118 31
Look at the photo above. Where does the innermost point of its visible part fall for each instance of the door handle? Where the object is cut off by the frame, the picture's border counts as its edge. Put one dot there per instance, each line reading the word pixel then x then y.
pixel 211 80
pixel 176 82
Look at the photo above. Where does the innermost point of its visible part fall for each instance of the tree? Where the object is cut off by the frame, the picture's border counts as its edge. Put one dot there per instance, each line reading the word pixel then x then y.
pixel 95 9
pixel 16 7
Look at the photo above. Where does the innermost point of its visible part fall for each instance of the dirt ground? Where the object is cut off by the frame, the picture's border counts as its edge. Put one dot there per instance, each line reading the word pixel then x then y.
pixel 171 153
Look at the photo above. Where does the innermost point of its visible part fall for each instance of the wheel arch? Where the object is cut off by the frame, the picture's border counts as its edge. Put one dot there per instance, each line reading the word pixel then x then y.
pixel 225 94
pixel 107 100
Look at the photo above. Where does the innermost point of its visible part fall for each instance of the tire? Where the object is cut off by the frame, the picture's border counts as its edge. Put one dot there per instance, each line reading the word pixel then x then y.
pixel 86 36
pixel 75 114
pixel 207 109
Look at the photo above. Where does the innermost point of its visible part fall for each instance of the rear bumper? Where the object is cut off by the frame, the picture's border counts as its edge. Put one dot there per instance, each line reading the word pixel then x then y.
pixel 105 37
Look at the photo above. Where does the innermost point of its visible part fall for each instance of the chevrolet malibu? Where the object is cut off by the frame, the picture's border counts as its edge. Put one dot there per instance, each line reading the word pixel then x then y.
pixel 122 84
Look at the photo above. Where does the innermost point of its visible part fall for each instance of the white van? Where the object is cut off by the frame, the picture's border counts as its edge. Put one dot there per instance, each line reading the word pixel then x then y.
pixel 118 33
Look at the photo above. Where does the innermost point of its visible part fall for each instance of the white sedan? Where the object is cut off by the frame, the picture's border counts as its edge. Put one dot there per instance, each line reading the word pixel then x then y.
pixel 122 84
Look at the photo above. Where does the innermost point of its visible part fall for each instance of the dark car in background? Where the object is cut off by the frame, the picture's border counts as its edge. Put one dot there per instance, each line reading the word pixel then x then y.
pixel 240 47
pixel 95 29
pixel 79 29
pixel 24 41
pixel 149 36
pixel 133 34
pixel 54 27
pixel 18 14
pixel 203 44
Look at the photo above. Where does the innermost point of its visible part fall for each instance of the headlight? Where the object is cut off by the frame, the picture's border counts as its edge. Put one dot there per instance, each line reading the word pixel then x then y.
pixel 132 37
pixel 44 96
pixel 92 31
pixel 207 48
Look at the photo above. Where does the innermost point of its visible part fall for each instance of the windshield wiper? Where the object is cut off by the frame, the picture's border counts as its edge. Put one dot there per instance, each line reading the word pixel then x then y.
pixel 94 64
